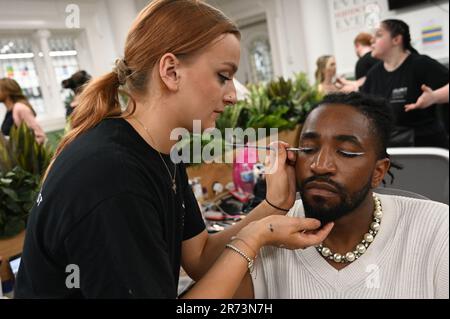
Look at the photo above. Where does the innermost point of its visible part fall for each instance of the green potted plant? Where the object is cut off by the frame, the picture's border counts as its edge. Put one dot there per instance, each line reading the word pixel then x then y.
pixel 22 161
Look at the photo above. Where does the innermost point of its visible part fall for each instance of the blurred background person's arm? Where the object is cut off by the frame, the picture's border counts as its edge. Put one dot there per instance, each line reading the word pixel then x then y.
pixel 429 97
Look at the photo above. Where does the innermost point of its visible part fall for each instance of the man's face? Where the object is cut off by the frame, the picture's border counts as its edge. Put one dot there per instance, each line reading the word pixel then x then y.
pixel 335 170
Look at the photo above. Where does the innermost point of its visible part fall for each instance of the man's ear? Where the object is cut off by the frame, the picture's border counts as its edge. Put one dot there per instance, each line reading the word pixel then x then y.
pixel 381 168
pixel 169 71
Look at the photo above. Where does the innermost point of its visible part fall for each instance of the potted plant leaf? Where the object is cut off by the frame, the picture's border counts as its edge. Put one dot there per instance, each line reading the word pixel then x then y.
pixel 22 161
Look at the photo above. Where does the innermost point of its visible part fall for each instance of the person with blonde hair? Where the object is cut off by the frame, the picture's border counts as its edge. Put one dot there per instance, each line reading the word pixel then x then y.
pixel 18 109
pixel 116 209
pixel 326 74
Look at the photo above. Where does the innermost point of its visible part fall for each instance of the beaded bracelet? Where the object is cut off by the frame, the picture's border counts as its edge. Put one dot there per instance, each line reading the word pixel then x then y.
pixel 240 252
pixel 245 243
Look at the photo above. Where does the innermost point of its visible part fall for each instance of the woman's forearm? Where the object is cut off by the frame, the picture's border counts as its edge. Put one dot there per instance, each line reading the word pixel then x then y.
pixel 224 278
pixel 441 95
pixel 215 243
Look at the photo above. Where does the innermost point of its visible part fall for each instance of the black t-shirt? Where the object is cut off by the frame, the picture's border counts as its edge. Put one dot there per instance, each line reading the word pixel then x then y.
pixel 107 206
pixel 403 86
pixel 8 123
pixel 364 64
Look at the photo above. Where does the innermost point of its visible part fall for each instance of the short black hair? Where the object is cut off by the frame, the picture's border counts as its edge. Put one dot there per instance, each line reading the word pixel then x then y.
pixel 376 110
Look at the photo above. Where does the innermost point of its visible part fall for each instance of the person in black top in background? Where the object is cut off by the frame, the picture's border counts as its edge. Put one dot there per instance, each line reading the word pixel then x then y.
pixel 399 79
pixel 429 97
pixel 76 82
pixel 363 49
pixel 114 211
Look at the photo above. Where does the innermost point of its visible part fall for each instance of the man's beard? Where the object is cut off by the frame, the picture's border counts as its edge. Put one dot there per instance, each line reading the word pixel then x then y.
pixel 325 213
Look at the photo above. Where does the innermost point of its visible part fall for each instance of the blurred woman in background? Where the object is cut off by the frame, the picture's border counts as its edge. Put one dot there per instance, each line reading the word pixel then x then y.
pixel 18 109
pixel 76 83
pixel 326 74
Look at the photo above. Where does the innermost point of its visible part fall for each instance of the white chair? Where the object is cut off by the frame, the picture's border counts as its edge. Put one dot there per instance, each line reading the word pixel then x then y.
pixel 425 172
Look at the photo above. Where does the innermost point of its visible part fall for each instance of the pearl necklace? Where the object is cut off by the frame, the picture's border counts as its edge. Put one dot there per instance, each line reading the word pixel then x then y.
pixel 361 248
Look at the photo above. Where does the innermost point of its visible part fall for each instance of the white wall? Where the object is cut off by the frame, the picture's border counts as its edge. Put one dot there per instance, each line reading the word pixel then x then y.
pixel 315 27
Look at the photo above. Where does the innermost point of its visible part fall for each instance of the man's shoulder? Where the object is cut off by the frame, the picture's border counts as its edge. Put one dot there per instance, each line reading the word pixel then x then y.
pixel 419 212
pixel 417 205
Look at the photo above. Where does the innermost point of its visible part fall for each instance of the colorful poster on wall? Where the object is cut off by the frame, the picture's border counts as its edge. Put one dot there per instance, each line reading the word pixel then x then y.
pixel 432 35
pixel 432 38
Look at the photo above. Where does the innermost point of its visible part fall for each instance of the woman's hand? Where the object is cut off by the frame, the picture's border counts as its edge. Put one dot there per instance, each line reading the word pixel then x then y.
pixel 427 99
pixel 285 232
pixel 280 176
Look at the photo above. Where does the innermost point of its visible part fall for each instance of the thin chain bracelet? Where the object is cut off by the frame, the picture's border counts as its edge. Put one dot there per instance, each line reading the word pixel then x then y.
pixel 248 246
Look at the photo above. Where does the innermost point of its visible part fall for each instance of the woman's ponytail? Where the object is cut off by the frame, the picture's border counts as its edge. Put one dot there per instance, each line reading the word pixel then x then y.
pixel 98 100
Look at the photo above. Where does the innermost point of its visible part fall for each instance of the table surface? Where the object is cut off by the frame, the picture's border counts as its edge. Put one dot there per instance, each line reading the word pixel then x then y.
pixel 12 246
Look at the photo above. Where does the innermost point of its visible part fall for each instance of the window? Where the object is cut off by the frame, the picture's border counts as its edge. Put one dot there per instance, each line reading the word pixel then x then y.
pixel 261 60
pixel 64 60
pixel 17 62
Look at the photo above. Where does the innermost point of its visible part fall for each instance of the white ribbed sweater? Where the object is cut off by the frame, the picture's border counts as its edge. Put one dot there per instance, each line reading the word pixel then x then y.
pixel 408 259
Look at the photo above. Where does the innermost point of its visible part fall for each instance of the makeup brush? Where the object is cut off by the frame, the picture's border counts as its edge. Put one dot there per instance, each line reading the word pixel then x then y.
pixel 268 148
